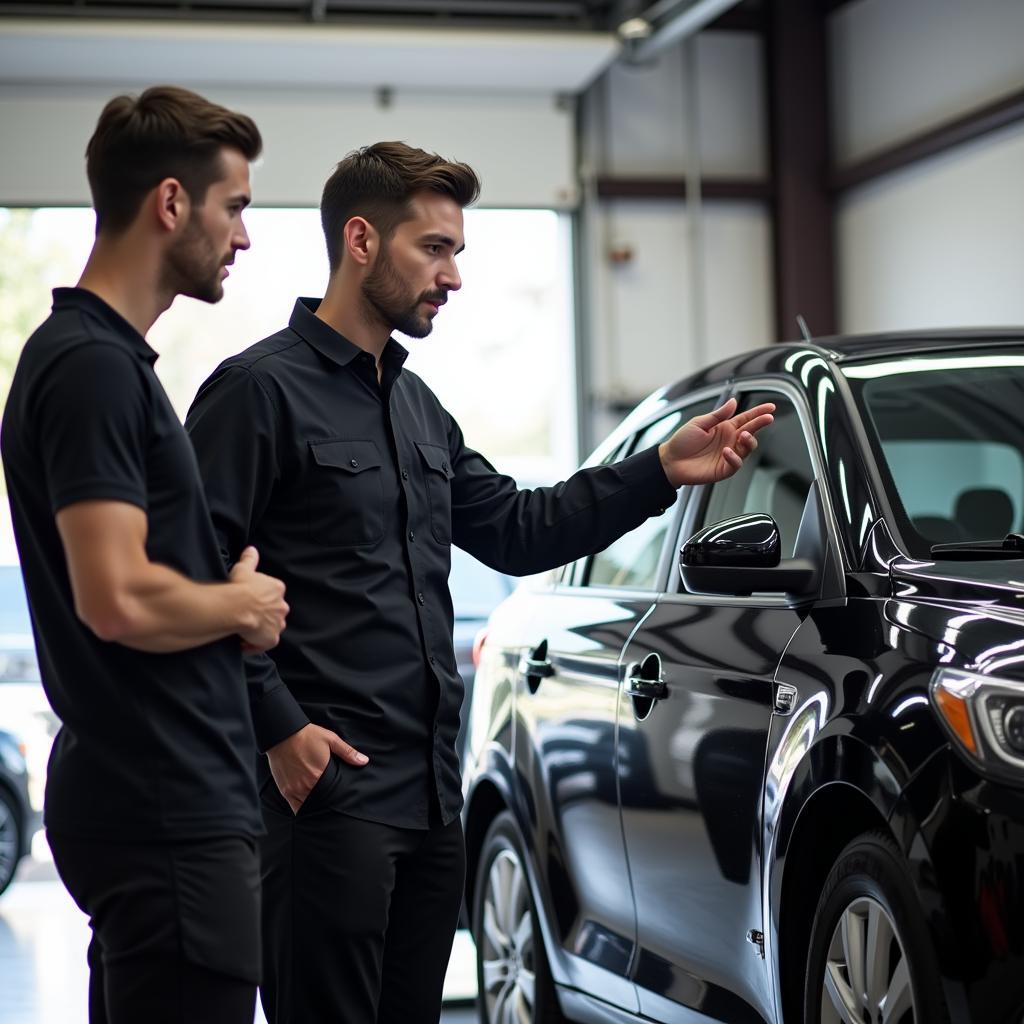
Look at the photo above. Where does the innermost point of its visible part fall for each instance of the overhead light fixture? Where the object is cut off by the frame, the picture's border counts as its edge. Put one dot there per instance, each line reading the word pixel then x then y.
pixel 635 28
pixel 666 22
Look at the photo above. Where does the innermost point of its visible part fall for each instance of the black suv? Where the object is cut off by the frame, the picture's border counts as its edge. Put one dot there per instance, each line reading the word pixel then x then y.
pixel 762 759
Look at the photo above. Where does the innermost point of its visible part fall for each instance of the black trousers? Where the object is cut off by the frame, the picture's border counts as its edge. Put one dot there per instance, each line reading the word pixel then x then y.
pixel 175 928
pixel 358 917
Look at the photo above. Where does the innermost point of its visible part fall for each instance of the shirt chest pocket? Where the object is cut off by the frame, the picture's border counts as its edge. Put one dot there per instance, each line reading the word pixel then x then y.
pixel 344 495
pixel 437 473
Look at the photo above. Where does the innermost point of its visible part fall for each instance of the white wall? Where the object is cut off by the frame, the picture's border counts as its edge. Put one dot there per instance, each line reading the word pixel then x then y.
pixel 490 98
pixel 644 305
pixel 646 113
pixel 642 332
pixel 522 145
pixel 940 243
pixel 937 245
pixel 902 66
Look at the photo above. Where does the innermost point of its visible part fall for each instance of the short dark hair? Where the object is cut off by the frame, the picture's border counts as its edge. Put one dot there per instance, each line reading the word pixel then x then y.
pixel 377 182
pixel 166 132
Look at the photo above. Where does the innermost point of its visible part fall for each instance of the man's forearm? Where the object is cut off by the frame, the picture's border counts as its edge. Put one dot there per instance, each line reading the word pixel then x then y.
pixel 161 611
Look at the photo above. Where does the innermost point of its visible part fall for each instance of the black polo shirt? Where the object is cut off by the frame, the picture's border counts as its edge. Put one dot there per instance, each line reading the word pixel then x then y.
pixel 354 491
pixel 153 746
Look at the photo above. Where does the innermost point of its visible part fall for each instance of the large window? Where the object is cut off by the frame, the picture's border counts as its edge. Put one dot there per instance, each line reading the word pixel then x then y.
pixel 500 357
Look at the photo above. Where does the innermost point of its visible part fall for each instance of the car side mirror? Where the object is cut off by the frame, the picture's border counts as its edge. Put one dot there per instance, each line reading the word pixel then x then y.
pixel 743 555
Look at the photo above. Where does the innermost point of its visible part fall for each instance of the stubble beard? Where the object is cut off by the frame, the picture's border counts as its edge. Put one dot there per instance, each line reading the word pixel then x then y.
pixel 192 265
pixel 389 298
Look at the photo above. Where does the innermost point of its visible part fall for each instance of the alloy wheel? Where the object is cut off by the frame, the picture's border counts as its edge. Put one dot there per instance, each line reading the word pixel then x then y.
pixel 507 953
pixel 867 975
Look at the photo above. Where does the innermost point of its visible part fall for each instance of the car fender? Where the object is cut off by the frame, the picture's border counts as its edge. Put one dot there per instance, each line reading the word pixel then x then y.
pixel 868 790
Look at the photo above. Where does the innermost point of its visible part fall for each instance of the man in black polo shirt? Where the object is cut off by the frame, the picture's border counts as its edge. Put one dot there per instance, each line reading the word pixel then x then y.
pixel 354 482
pixel 151 805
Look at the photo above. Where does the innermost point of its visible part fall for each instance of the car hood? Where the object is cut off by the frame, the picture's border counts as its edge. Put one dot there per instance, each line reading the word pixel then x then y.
pixel 990 582
pixel 974 611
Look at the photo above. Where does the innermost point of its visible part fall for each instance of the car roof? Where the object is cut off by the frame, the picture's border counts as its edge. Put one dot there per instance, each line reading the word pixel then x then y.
pixel 839 349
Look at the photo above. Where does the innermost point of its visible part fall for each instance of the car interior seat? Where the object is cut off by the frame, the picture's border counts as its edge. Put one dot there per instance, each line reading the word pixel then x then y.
pixel 984 513
pixel 937 529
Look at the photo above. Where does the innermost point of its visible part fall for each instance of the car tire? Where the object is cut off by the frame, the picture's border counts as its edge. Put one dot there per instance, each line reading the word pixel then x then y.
pixel 10 838
pixel 513 976
pixel 869 906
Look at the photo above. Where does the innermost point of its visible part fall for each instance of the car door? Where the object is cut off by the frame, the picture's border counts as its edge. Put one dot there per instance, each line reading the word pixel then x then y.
pixel 566 705
pixel 693 721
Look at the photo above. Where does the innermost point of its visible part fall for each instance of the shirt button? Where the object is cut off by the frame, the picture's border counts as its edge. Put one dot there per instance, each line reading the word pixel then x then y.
pixel 421 598
pixel 353 463
pixel 412 536
pixel 405 474
pixel 444 466
pixel 433 660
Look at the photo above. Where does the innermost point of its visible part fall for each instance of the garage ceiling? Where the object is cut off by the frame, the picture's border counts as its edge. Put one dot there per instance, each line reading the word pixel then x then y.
pixel 580 14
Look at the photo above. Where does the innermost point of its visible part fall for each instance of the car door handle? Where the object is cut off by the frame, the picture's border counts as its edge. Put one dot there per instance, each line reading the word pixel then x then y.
pixel 645 685
pixel 652 689
pixel 536 666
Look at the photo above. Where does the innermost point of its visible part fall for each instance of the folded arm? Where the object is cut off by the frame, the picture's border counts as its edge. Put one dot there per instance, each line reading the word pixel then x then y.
pixel 124 597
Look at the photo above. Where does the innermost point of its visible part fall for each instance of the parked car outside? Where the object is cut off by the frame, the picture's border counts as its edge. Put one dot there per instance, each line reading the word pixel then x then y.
pixel 17 819
pixel 25 712
pixel 476 591
pixel 762 759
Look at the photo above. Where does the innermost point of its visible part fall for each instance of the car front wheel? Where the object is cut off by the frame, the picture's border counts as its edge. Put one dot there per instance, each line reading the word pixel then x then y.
pixel 514 980
pixel 871 959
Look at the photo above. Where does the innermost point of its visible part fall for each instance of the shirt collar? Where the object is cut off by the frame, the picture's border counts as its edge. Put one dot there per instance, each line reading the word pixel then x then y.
pixel 82 298
pixel 329 343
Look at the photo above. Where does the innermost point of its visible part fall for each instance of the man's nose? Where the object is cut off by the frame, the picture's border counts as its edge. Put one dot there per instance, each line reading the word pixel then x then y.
pixel 449 278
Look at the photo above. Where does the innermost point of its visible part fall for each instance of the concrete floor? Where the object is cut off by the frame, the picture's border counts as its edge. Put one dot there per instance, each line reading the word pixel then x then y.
pixel 43 937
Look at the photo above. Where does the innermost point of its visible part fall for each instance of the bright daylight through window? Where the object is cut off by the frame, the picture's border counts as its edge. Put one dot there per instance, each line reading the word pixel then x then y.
pixel 500 357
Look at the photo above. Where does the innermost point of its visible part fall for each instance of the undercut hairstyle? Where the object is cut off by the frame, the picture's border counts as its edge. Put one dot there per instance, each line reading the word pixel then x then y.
pixel 166 132
pixel 378 182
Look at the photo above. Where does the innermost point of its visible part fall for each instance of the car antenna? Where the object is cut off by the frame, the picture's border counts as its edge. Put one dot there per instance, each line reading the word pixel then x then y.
pixel 804 329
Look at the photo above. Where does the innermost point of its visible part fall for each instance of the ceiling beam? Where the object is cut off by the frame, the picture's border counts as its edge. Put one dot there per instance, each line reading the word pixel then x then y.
pixel 990 118
pixel 798 116
pixel 615 187
pixel 737 20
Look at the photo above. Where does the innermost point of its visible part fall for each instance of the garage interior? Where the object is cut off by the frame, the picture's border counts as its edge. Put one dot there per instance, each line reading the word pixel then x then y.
pixel 704 176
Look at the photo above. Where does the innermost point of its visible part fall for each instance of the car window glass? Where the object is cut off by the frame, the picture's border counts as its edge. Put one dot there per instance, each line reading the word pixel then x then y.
pixel 573 573
pixel 774 479
pixel 632 560
pixel 959 411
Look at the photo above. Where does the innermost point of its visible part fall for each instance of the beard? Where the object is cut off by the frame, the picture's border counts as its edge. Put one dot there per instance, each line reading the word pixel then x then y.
pixel 392 301
pixel 192 265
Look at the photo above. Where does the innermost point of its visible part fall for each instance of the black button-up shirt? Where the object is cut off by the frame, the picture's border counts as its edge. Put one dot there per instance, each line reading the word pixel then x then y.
pixel 153 746
pixel 353 490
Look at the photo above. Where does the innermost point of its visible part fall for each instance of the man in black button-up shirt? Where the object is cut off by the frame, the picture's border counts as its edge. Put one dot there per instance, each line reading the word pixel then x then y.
pixel 354 481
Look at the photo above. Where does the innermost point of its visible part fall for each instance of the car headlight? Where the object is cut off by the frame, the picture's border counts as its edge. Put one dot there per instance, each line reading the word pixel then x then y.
pixel 985 717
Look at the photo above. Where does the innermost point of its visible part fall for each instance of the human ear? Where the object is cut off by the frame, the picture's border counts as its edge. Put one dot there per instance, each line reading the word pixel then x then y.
pixel 172 204
pixel 361 240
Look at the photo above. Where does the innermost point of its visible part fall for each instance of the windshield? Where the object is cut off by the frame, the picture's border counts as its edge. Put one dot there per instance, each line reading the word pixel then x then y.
pixel 948 434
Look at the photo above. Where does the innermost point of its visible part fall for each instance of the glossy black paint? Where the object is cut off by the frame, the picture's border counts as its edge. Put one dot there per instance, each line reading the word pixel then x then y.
pixel 750 541
pixel 664 824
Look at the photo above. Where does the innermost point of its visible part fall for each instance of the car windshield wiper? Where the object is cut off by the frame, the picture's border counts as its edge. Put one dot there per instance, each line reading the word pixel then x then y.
pixel 1011 546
